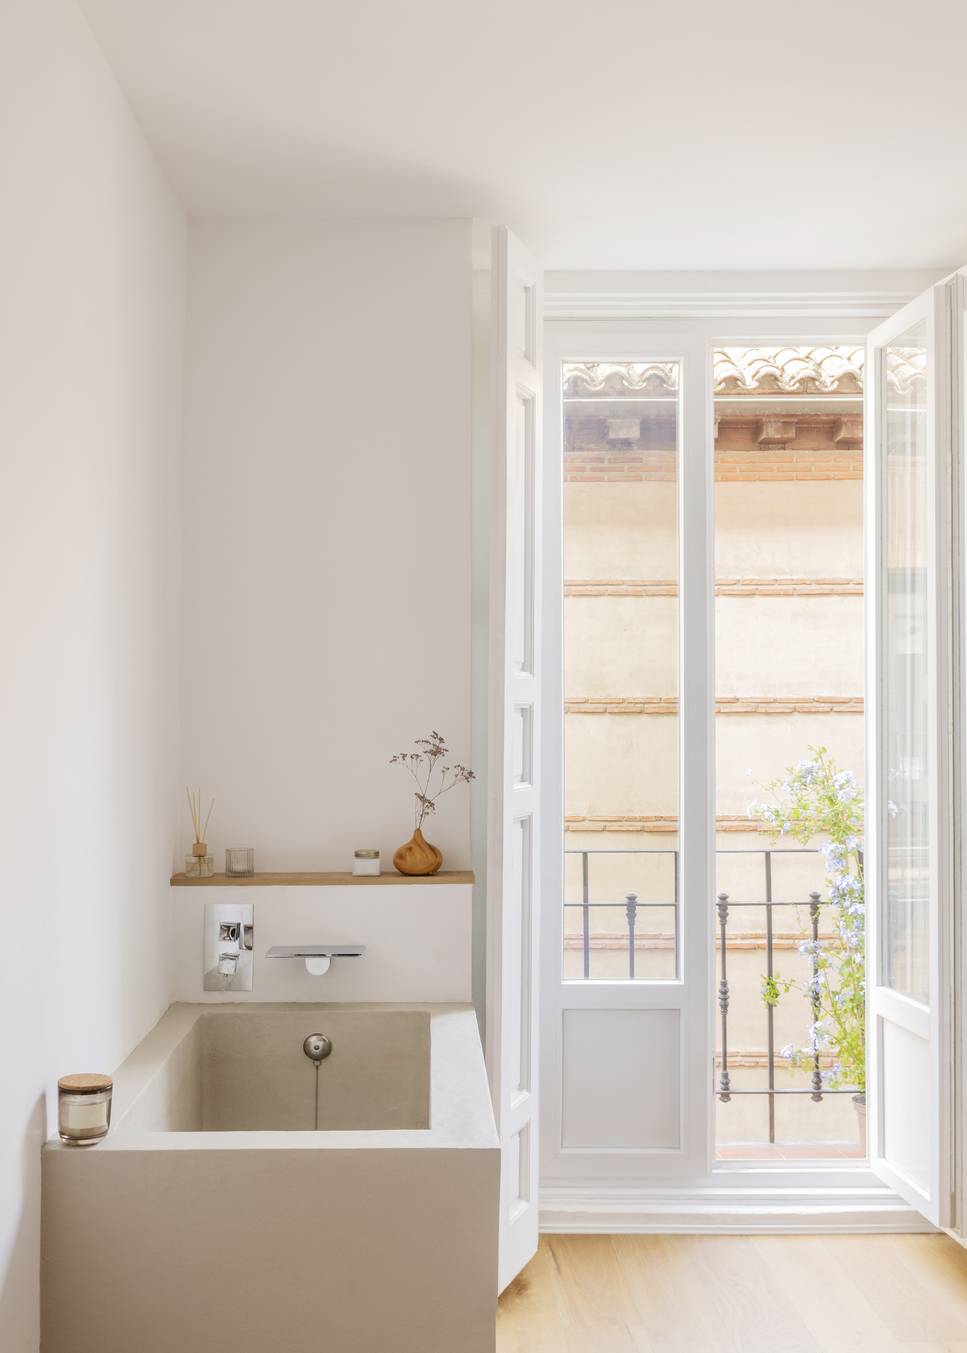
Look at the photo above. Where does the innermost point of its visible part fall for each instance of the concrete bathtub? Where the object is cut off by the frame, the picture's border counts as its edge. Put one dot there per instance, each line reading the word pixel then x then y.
pixel 216 1217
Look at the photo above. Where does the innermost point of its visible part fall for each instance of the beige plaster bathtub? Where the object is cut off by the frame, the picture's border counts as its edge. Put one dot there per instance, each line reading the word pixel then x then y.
pixel 215 1218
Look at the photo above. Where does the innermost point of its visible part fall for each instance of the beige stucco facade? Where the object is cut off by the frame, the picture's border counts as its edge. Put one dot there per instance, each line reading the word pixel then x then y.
pixel 789 674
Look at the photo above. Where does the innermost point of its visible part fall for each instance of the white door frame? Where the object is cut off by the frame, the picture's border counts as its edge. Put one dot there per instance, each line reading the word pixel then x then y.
pixel 729 1194
pixel 958 449
pixel 925 1028
pixel 514 769
pixel 689 994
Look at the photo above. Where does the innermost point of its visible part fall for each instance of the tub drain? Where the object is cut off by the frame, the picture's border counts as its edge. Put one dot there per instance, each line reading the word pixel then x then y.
pixel 317 1047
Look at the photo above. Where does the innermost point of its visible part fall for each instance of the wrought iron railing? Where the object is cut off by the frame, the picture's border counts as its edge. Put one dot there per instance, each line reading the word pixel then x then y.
pixel 631 902
pixel 725 905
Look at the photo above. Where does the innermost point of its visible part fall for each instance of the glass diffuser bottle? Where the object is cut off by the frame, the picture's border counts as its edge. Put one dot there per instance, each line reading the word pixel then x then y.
pixel 199 864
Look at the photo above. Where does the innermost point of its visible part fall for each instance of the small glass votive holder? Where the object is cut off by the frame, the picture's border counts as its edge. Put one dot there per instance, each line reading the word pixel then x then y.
pixel 366 862
pixel 84 1108
pixel 199 866
pixel 240 860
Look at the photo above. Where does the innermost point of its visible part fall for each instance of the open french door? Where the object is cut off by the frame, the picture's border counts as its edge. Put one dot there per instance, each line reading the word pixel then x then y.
pixel 627 1050
pixel 513 877
pixel 914 781
pixel 911 738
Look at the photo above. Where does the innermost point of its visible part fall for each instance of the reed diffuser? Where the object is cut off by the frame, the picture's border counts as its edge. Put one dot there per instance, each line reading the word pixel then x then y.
pixel 199 864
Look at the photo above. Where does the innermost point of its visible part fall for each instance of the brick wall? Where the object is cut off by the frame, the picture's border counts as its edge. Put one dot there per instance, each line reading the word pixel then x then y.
pixel 652 822
pixel 772 464
pixel 725 704
pixel 724 587
pixel 806 447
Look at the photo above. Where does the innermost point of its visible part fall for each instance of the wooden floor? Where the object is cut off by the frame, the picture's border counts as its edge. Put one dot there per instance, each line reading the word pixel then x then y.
pixel 738 1294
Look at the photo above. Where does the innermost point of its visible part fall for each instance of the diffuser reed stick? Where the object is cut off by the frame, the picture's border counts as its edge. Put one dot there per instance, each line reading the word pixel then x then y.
pixel 200 862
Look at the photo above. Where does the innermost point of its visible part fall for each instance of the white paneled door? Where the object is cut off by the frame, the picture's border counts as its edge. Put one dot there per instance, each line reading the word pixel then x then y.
pixel 910 763
pixel 626 1058
pixel 513 877
pixel 627 1055
pixel 627 1050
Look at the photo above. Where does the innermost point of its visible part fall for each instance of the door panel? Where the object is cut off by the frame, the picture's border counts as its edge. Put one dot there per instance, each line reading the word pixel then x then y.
pixel 604 1111
pixel 909 787
pixel 513 880
pixel 626 1018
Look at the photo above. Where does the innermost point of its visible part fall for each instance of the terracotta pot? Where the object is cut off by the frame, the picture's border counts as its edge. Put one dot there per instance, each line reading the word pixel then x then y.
pixel 859 1104
pixel 417 856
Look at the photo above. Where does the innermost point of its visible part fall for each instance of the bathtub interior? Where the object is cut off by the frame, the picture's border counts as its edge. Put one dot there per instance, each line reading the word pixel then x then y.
pixel 246 1072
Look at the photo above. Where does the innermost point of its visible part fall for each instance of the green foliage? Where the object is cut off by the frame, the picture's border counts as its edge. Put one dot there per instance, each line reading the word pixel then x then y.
pixel 816 801
pixel 773 987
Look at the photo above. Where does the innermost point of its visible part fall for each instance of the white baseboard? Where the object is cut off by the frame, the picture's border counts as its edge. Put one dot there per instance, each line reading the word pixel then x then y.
pixel 725 1209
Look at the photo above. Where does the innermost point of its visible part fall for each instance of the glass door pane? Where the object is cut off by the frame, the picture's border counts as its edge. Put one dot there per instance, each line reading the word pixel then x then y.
pixel 621 643
pixel 906 770
pixel 910 849
pixel 789 706
pixel 625 979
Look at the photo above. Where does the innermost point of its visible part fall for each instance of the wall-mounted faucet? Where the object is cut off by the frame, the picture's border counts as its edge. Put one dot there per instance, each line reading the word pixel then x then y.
pixel 317 957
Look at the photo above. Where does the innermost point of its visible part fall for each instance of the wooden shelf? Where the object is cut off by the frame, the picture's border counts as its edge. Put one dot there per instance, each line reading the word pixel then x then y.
pixel 316 880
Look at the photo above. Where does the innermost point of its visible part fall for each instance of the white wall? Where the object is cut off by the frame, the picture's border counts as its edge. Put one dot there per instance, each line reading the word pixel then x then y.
pixel 417 939
pixel 327 531
pixel 91 321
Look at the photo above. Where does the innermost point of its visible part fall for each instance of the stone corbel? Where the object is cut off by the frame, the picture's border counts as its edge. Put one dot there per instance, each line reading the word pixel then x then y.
pixel 775 431
pixel 848 430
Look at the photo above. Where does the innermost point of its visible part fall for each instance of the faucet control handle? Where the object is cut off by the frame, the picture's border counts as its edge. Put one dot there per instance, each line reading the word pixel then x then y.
pixel 229 940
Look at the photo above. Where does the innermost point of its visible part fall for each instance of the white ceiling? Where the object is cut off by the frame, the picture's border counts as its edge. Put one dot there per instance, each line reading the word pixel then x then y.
pixel 621 134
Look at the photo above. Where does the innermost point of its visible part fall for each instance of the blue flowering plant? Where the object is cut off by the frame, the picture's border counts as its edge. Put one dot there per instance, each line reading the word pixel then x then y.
pixel 813 801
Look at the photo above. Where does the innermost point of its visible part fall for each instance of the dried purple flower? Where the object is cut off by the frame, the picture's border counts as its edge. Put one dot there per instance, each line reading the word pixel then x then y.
pixel 423 765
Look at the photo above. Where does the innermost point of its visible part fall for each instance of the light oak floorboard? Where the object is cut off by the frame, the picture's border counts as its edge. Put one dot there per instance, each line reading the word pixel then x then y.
pixel 535 1300
pixel 592 1280
pixel 845 1318
pixel 918 1284
pixel 695 1292
pixel 738 1294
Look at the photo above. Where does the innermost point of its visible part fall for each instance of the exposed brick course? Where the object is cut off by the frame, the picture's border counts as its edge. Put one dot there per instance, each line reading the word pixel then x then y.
pixel 604 941
pixel 725 704
pixel 748 449
pixel 765 465
pixel 653 822
pixel 724 587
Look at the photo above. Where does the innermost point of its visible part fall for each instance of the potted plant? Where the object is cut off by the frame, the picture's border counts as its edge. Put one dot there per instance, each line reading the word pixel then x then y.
pixel 816 800
pixel 434 778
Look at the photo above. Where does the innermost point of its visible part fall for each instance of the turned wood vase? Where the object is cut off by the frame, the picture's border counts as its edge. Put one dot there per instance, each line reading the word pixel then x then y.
pixel 418 856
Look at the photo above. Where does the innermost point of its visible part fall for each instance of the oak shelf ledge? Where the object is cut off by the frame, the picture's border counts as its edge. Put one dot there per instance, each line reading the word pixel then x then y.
pixel 308 879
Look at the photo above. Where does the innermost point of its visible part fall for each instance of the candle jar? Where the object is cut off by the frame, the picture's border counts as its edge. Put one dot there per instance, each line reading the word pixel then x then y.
pixel 240 860
pixel 366 862
pixel 84 1108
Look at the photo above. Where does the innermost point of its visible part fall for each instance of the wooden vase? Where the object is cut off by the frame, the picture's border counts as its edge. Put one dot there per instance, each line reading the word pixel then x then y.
pixel 417 856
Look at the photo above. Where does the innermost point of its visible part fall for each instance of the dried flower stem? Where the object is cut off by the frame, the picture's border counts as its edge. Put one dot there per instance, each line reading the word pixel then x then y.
pixel 428 758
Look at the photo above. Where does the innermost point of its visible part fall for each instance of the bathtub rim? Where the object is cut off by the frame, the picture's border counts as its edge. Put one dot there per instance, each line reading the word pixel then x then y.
pixel 461 1115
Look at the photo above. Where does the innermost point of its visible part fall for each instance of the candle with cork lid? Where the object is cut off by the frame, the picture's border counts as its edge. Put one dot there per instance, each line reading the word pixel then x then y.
pixel 84 1107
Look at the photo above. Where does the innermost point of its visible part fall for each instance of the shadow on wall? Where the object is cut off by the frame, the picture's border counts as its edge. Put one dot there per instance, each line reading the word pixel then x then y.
pixel 254 163
pixel 19 1279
